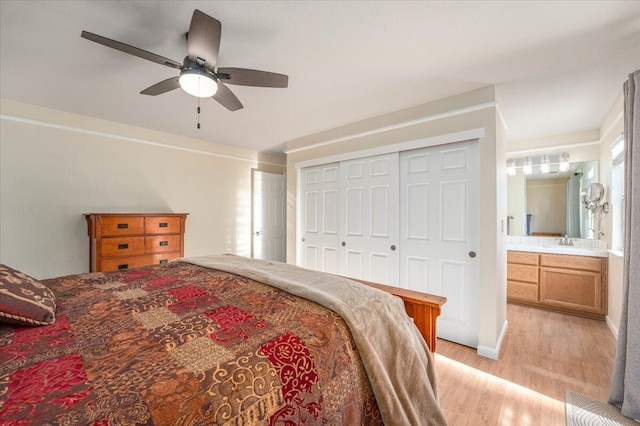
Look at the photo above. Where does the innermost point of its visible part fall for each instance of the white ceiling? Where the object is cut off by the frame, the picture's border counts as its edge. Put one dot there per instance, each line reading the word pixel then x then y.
pixel 558 66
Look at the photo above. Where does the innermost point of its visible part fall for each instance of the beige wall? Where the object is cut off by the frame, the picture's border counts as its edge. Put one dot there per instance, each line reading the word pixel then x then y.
pixel 611 128
pixel 472 110
pixel 581 146
pixel 56 166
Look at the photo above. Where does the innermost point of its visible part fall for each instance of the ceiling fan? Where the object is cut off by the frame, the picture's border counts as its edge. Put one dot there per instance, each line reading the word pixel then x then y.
pixel 198 73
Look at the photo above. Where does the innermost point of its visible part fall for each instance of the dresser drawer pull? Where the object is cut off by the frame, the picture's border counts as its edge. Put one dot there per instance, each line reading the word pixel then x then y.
pixel 163 224
pixel 123 266
pixel 123 246
pixel 164 243
pixel 163 261
pixel 123 225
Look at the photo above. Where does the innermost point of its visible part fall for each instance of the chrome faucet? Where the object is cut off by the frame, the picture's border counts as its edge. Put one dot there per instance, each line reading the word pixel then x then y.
pixel 566 241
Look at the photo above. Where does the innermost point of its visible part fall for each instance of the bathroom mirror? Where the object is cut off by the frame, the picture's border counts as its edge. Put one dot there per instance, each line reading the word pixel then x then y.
pixel 551 204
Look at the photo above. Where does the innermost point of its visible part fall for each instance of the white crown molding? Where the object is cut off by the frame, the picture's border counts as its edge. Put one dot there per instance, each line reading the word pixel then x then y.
pixel 553 148
pixel 501 117
pixel 398 147
pixel 396 126
pixel 613 123
pixel 131 139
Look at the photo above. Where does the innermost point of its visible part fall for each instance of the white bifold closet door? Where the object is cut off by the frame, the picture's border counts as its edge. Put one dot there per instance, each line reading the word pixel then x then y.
pixel 320 239
pixel 407 219
pixel 369 218
pixel 440 233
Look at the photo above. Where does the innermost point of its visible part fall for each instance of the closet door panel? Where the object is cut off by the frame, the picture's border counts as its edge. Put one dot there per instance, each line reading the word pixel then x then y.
pixel 439 233
pixel 369 215
pixel 321 225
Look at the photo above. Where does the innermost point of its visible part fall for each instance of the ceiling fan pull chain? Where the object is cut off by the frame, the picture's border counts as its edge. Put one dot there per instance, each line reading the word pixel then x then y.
pixel 198 113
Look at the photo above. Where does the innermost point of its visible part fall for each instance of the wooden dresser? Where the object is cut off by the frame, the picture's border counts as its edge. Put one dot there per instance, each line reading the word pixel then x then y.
pixel 121 241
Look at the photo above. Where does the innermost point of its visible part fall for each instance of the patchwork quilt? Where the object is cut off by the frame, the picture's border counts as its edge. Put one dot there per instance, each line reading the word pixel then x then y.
pixel 182 344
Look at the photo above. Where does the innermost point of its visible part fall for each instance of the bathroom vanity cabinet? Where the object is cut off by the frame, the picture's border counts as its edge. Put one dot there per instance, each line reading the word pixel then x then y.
pixel 570 284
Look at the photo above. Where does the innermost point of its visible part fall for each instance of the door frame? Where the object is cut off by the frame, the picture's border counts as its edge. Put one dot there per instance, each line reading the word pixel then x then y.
pixel 253 208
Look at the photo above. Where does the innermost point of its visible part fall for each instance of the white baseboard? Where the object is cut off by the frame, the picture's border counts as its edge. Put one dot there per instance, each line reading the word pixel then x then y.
pixel 612 327
pixel 493 353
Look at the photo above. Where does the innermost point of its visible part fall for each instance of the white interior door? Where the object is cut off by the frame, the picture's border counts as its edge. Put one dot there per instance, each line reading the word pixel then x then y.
pixel 320 225
pixel 369 229
pixel 440 235
pixel 269 230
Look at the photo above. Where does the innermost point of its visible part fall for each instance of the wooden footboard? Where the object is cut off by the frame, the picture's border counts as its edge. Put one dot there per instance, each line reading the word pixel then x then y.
pixel 422 307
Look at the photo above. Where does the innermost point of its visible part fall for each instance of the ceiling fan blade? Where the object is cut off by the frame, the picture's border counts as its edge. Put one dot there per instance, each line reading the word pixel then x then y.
pixel 131 50
pixel 246 77
pixel 226 98
pixel 162 87
pixel 203 39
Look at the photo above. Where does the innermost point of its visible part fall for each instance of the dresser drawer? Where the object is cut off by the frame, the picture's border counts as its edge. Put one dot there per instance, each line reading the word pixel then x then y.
pixel 522 291
pixel 161 225
pixel 162 243
pixel 122 246
pixel 584 263
pixel 124 263
pixel 523 257
pixel 122 225
pixel 524 273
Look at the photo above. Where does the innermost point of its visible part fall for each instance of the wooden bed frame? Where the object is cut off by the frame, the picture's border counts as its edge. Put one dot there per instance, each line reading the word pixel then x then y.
pixel 423 308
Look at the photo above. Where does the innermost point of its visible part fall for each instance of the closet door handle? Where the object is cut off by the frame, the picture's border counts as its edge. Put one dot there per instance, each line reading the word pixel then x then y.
pixel 393 248
pixel 472 254
pixel 343 244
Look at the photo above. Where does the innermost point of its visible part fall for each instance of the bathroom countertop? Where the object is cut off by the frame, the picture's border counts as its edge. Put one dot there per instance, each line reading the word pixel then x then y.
pixel 576 251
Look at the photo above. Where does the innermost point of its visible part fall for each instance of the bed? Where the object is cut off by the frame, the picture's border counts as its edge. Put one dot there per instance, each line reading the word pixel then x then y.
pixel 214 340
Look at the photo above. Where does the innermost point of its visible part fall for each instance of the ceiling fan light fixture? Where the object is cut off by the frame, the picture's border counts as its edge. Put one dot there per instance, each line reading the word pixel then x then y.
pixel 198 82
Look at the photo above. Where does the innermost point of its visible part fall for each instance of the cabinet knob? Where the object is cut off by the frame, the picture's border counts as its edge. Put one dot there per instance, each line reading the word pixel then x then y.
pixel 303 239
pixel 393 248
pixel 472 254
pixel 343 244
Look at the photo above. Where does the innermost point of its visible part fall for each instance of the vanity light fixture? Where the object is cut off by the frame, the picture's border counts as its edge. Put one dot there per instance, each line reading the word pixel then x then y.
pixel 564 161
pixel 545 164
pixel 527 168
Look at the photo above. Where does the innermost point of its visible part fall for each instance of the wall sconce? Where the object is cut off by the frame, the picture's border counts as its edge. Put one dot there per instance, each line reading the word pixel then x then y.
pixel 527 168
pixel 564 161
pixel 545 162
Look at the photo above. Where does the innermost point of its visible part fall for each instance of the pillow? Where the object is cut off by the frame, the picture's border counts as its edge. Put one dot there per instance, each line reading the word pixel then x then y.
pixel 24 300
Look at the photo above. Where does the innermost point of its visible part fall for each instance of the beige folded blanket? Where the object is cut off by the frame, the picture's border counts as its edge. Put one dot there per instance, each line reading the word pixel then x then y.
pixel 394 354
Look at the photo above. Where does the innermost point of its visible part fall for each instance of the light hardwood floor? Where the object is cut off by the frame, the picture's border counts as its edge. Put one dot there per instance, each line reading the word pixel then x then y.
pixel 543 354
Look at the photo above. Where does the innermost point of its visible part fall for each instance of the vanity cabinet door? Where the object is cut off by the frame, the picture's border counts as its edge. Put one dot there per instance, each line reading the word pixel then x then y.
pixel 572 289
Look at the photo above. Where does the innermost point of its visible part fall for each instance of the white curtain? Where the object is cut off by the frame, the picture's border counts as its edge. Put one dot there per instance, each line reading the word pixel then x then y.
pixel 625 386
pixel 573 206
